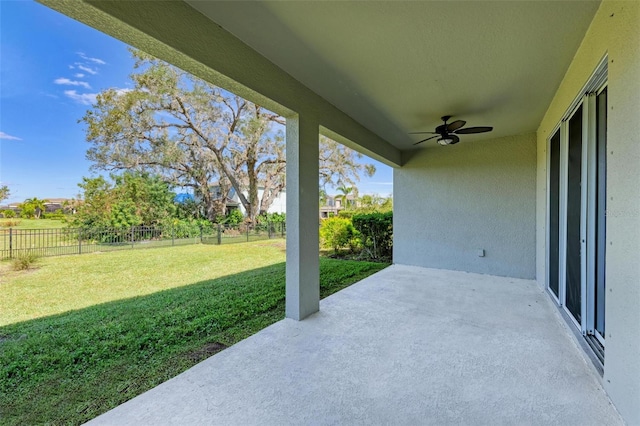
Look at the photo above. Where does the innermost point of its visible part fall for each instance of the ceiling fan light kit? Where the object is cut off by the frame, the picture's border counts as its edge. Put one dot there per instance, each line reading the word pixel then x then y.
pixel 448 133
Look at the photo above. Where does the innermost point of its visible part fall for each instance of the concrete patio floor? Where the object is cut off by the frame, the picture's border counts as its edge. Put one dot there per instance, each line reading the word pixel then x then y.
pixel 407 345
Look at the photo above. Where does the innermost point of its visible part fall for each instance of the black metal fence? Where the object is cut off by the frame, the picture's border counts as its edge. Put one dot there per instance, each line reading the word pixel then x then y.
pixel 61 241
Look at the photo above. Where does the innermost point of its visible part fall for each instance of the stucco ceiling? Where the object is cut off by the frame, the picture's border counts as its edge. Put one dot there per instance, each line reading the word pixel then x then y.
pixel 398 66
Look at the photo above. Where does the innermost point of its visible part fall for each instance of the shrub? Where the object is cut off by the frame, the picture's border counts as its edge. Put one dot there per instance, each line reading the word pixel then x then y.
pixel 24 261
pixel 187 228
pixel 27 211
pixel 234 217
pixel 346 214
pixel 124 215
pixel 57 215
pixel 272 218
pixel 337 232
pixel 8 213
pixel 376 231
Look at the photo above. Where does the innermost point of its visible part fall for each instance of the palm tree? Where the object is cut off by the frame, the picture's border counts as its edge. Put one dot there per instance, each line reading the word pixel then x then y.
pixel 37 205
pixel 346 190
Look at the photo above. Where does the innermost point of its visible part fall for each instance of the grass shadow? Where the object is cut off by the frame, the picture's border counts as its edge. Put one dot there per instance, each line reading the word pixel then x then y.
pixel 69 368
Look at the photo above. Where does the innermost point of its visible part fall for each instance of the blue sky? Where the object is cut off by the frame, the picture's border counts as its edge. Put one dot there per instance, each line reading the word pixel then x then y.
pixel 51 68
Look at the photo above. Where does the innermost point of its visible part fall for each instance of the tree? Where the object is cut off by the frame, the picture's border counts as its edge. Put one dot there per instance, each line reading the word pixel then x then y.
pixel 4 193
pixel 340 165
pixel 346 191
pixel 375 202
pixel 189 132
pixel 27 210
pixel 132 199
pixel 322 195
pixel 151 197
pixel 94 205
pixel 193 134
pixel 189 208
pixel 259 160
pixel 32 207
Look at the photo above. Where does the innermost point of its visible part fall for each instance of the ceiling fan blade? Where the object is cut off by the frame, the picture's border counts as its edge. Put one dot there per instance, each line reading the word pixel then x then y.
pixel 455 125
pixel 421 133
pixel 455 139
pixel 469 130
pixel 424 140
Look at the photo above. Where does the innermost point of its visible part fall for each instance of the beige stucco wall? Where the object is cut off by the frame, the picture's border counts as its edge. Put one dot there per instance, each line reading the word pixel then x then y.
pixel 452 201
pixel 615 31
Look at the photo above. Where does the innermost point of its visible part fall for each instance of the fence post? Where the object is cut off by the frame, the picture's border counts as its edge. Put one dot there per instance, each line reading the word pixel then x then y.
pixel 282 229
pixel 200 226
pixel 79 241
pixel 173 235
pixel 269 229
pixel 10 243
pixel 132 240
pixel 247 232
pixel 219 234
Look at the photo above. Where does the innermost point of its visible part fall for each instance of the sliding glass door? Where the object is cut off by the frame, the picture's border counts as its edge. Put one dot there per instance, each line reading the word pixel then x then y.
pixel 576 215
pixel 554 215
pixel 573 283
pixel 600 209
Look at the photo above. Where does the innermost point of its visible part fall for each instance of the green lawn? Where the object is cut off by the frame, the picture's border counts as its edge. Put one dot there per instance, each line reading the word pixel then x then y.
pixel 98 329
pixel 28 233
pixel 32 223
pixel 52 238
pixel 64 283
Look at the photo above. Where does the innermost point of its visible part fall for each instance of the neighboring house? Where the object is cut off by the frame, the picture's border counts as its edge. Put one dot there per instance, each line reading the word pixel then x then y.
pixel 51 205
pixel 335 203
pixel 279 204
pixel 231 203
pixel 12 206
pixel 54 204
pixel 551 194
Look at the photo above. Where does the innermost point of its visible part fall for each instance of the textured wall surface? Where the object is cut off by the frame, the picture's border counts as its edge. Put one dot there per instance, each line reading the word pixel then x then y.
pixel 452 201
pixel 615 31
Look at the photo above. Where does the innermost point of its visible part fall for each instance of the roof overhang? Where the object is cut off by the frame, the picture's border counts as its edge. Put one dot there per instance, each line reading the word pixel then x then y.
pixel 368 72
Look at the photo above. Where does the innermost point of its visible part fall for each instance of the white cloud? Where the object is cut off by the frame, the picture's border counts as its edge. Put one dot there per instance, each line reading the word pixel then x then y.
pixel 88 58
pixel 83 98
pixel 87 69
pixel 78 75
pixel 3 135
pixel 67 82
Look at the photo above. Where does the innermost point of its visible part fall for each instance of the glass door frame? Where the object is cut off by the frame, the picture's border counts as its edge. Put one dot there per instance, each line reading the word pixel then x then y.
pixel 588 214
pixel 590 176
pixel 561 231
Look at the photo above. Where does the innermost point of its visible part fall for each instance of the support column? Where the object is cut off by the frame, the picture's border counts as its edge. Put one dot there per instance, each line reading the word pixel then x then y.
pixel 303 266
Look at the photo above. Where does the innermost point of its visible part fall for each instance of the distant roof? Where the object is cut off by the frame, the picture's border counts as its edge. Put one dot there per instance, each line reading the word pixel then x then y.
pixel 56 200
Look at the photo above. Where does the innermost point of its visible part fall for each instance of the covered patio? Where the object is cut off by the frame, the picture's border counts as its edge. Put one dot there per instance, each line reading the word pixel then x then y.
pixel 408 345
pixel 550 194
